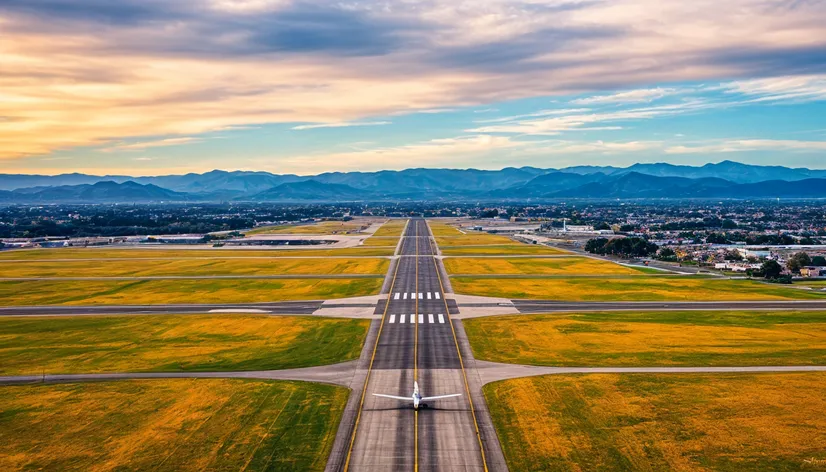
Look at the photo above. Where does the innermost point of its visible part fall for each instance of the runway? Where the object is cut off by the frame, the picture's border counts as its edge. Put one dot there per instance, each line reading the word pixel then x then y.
pixel 416 342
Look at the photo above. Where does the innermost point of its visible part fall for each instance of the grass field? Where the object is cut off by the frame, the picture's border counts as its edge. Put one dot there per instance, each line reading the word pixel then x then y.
pixel 681 422
pixel 154 292
pixel 169 425
pixel 649 339
pixel 95 344
pixel 514 249
pixel 391 228
pixel 442 229
pixel 153 252
pixel 474 239
pixel 387 241
pixel 674 288
pixel 201 267
pixel 321 228
pixel 522 266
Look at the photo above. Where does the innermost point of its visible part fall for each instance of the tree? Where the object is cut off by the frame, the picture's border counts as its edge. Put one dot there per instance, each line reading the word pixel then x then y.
pixel 798 261
pixel 667 254
pixel 819 261
pixel 733 256
pixel 716 238
pixel 771 269
pixel 602 226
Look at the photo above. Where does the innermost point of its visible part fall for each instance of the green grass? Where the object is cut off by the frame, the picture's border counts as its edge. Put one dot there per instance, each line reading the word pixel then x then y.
pixel 153 292
pixel 501 250
pixel 194 267
pixel 662 288
pixel 94 344
pixel 391 228
pixel 169 425
pixel 320 228
pixel 162 253
pixel 626 339
pixel 653 422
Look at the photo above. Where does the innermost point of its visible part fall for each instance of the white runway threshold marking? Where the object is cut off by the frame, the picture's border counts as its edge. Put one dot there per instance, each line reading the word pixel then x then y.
pixel 438 297
pixel 421 295
pixel 441 318
pixel 405 295
pixel 396 297
pixel 401 319
pixel 428 295
pixel 412 319
pixel 392 319
pixel 412 296
pixel 421 318
pixel 430 318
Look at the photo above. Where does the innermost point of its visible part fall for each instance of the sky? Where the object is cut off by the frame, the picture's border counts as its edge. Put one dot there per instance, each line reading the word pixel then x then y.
pixel 150 87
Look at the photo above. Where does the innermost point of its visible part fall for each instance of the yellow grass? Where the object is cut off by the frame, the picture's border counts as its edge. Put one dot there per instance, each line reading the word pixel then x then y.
pixel 153 292
pixel 162 253
pixel 652 339
pixel 629 289
pixel 679 422
pixel 321 228
pixel 555 266
pixel 93 344
pixel 381 241
pixel 474 239
pixel 391 228
pixel 143 268
pixel 169 425
pixel 442 229
pixel 513 249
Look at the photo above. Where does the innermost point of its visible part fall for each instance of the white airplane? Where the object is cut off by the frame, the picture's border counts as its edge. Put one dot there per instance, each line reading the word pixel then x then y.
pixel 416 398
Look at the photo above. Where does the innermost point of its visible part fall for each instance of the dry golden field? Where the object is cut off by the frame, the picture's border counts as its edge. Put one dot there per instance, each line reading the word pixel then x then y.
pixel 443 229
pixel 648 339
pixel 194 267
pixel 547 266
pixel 169 425
pixel 164 253
pixel 153 292
pixel 474 239
pixel 678 422
pixel 629 289
pixel 391 228
pixel 169 343
pixel 385 241
pixel 514 249
pixel 321 228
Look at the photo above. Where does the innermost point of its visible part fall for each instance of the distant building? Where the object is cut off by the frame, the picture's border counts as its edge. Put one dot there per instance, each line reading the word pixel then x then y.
pixel 813 271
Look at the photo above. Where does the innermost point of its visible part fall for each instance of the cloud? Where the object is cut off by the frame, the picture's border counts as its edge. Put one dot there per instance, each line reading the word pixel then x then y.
pixel 576 120
pixel 804 88
pixel 631 96
pixel 92 72
pixel 342 124
pixel 744 145
pixel 140 146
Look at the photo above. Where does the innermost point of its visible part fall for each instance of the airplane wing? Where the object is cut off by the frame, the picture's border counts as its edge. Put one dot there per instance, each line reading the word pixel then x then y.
pixel 441 396
pixel 409 399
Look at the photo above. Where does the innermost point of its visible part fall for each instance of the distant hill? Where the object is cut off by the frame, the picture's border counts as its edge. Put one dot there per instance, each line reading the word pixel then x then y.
pixel 722 180
pixel 100 192
pixel 311 190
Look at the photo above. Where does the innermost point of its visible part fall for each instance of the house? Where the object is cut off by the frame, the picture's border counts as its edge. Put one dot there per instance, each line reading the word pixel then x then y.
pixel 813 271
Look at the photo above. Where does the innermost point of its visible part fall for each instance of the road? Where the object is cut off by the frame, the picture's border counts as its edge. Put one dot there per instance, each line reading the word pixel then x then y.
pixel 548 306
pixel 416 342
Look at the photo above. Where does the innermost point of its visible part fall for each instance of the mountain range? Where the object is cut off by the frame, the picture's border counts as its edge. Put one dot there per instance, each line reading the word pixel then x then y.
pixel 723 180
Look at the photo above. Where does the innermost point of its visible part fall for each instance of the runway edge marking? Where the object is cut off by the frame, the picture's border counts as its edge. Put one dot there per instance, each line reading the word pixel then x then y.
pixel 372 359
pixel 461 362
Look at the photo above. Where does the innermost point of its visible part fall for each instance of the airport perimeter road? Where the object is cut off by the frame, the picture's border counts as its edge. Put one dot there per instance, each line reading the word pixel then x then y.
pixel 416 343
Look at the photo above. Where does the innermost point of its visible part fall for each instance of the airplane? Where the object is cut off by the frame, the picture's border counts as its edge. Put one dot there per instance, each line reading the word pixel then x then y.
pixel 416 398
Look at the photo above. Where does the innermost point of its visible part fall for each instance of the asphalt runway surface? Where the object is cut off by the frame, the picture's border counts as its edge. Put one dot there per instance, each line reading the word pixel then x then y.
pixel 416 343
pixel 283 308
